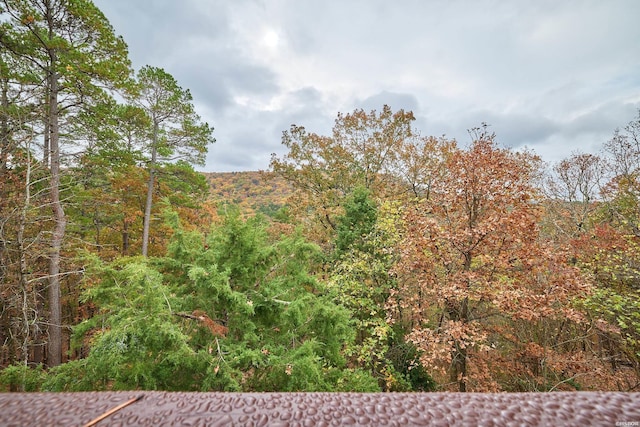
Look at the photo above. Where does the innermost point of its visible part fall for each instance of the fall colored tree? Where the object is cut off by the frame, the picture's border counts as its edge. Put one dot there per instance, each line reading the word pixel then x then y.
pixel 419 164
pixel 610 251
pixel 473 263
pixel 325 169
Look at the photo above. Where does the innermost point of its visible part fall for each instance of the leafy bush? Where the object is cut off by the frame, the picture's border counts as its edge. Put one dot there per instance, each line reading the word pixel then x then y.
pixel 21 377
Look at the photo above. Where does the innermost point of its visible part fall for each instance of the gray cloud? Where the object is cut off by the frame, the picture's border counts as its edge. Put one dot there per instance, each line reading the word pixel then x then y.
pixel 158 30
pixel 554 76
pixel 217 84
pixel 396 101
pixel 251 135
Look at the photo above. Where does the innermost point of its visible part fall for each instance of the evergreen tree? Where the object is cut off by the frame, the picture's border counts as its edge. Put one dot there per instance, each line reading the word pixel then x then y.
pixel 176 132
pixel 233 310
pixel 361 280
pixel 72 48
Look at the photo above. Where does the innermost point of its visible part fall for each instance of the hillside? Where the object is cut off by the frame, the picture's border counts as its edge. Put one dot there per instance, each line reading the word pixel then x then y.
pixel 253 191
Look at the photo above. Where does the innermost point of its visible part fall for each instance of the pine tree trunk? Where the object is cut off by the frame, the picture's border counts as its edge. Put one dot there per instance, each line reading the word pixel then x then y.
pixel 4 158
pixel 149 202
pixel 125 237
pixel 55 319
pixel 46 145
pixel 4 134
pixel 147 213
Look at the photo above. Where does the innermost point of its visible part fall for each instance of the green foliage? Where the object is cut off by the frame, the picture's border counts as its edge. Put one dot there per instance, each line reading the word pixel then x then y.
pixel 363 257
pixel 352 380
pixel 135 340
pixel 357 223
pixel 176 131
pixel 405 358
pixel 233 310
pixel 21 377
pixel 621 309
pixel 71 376
pixel 283 332
pixel 361 281
pixel 186 187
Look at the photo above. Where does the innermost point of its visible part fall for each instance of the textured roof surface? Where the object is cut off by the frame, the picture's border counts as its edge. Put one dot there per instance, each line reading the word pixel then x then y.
pixel 317 409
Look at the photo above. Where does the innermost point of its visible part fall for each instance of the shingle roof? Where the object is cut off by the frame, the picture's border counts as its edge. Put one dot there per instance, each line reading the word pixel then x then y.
pixel 316 409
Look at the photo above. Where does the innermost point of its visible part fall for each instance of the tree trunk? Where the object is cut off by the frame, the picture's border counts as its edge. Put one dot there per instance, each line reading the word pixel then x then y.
pixel 149 201
pixel 459 357
pixel 125 237
pixel 459 367
pixel 97 227
pixel 460 313
pixel 4 157
pixel 46 145
pixel 24 287
pixel 55 319
pixel 4 133
pixel 458 371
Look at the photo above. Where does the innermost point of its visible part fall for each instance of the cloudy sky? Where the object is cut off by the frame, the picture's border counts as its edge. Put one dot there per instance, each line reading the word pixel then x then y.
pixel 555 76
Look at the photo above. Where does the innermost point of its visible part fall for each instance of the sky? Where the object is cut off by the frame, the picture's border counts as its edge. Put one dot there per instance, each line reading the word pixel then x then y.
pixel 557 77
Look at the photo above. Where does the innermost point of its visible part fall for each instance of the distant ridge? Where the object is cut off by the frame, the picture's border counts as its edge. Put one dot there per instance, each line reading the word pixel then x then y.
pixel 252 191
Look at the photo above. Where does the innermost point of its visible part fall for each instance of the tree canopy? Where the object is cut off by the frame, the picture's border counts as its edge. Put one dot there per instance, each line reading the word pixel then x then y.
pixel 374 258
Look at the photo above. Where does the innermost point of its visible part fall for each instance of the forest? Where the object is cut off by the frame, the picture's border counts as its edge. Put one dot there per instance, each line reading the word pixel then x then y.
pixel 372 259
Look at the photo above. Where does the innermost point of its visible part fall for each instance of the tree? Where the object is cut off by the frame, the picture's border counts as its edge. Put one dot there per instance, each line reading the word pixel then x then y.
pixel 473 255
pixel 572 194
pixel 71 46
pixel 360 279
pixel 284 332
pixel 136 340
pixel 420 164
pixel 20 248
pixel 325 170
pixel 622 192
pixel 611 256
pixel 233 310
pixel 610 251
pixel 106 180
pixel 357 223
pixel 176 131
pixel 110 173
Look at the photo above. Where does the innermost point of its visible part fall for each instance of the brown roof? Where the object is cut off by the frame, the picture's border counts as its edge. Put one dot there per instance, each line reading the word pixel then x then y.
pixel 274 409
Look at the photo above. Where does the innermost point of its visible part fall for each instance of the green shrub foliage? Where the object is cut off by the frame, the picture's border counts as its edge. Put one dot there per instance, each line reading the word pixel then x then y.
pixel 232 310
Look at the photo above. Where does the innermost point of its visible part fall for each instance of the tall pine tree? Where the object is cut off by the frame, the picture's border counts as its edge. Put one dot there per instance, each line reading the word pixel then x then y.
pixel 72 48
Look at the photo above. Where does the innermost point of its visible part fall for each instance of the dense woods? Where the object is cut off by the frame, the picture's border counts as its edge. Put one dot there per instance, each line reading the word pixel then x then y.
pixel 371 259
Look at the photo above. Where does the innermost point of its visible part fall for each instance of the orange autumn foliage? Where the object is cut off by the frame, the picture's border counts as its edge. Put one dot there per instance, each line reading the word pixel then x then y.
pixel 473 260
